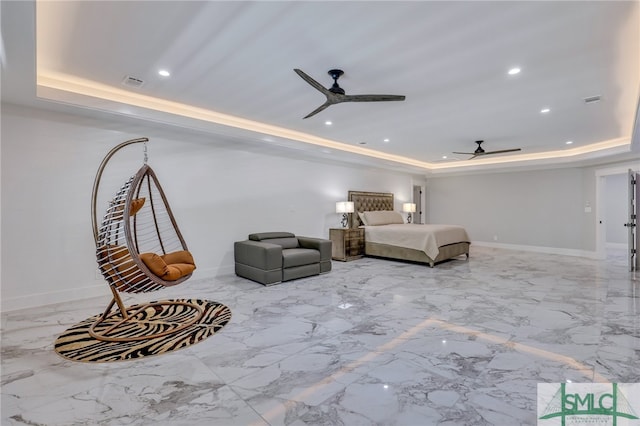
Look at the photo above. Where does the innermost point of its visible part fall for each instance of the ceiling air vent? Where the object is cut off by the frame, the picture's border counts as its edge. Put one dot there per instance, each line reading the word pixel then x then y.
pixel 592 99
pixel 132 81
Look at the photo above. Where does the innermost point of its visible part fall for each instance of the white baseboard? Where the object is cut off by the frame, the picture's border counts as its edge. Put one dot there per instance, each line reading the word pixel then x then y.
pixel 53 297
pixel 100 289
pixel 539 249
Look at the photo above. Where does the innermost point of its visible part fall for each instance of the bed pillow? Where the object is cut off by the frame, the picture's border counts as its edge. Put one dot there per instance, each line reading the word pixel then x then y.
pixel 362 218
pixel 382 217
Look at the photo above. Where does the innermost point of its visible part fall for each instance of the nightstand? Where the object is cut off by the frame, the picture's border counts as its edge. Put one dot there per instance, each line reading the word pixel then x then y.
pixel 348 243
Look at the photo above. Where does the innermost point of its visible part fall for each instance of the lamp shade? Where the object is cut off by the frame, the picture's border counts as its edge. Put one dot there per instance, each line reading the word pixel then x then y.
pixel 344 207
pixel 409 207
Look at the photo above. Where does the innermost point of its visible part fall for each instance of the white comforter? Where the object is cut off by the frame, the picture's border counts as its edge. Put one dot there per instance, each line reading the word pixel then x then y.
pixel 426 238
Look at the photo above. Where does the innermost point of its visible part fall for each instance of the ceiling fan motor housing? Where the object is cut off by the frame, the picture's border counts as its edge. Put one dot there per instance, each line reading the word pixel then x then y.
pixel 335 75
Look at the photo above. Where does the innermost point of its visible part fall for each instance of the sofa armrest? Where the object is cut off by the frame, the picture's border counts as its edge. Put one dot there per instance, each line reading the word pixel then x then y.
pixel 260 255
pixel 320 244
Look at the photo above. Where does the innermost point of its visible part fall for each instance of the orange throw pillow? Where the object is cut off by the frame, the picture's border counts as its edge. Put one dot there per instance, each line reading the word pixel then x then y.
pixel 182 256
pixel 171 266
pixel 178 270
pixel 136 205
pixel 155 264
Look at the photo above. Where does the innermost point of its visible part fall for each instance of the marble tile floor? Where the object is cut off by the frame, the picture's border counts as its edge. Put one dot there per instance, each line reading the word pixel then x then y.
pixel 374 342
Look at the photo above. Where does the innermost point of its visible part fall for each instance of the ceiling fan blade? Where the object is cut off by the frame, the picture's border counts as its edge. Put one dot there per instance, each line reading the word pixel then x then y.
pixel 502 151
pixel 372 98
pixel 320 108
pixel 312 82
pixel 465 153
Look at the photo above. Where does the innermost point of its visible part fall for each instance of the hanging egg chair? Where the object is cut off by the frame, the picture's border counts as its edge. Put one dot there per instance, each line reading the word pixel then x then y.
pixel 139 248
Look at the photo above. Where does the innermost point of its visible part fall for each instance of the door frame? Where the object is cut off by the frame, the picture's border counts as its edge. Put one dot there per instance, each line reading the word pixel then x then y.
pixel 420 202
pixel 633 184
pixel 601 174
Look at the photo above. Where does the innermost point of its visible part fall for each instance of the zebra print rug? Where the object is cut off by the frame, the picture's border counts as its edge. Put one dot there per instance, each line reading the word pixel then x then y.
pixel 77 344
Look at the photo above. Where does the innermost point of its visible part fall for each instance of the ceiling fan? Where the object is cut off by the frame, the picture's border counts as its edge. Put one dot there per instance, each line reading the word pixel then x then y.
pixel 480 151
pixel 336 94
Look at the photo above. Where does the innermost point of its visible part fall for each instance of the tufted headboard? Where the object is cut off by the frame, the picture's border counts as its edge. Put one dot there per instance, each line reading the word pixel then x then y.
pixel 368 202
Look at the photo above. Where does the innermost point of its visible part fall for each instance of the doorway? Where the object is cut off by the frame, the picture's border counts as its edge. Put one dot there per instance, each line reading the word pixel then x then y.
pixel 417 199
pixel 612 215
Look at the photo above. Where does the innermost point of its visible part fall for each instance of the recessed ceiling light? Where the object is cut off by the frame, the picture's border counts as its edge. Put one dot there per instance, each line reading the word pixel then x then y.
pixel 569 142
pixel 328 123
pixel 164 73
pixel 385 140
pixel 545 110
pixel 444 157
pixel 514 71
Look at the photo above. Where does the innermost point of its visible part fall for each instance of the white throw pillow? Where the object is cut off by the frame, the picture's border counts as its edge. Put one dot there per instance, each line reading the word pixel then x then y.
pixel 362 218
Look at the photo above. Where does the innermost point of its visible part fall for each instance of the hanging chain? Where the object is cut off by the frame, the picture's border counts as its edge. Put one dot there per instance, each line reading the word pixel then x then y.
pixel 146 156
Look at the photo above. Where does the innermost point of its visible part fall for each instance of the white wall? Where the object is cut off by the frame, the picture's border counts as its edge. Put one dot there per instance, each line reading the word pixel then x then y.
pixel 542 208
pixel 550 210
pixel 221 190
pixel 218 193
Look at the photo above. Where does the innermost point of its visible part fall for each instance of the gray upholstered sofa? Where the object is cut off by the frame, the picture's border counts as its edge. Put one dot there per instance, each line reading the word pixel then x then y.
pixel 272 257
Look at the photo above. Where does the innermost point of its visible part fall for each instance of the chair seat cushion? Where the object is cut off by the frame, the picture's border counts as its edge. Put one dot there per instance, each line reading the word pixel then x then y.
pixel 182 256
pixel 299 256
pixel 178 270
pixel 171 266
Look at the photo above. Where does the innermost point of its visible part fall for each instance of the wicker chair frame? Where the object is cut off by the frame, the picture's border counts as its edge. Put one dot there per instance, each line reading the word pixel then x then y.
pixel 138 220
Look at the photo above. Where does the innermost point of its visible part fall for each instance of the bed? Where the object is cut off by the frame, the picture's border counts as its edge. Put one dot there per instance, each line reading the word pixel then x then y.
pixel 385 235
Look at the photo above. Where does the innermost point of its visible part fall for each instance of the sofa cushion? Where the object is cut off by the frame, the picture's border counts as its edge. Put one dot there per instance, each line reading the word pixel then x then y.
pixel 286 243
pixel 299 256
